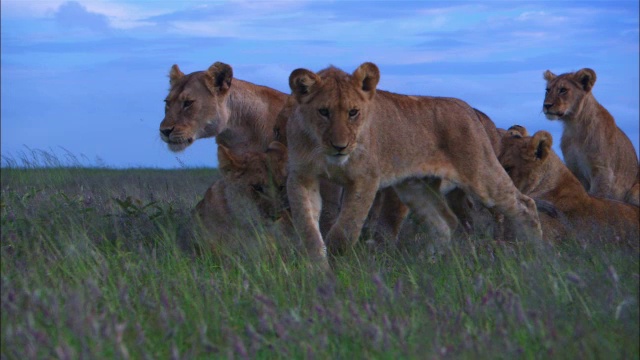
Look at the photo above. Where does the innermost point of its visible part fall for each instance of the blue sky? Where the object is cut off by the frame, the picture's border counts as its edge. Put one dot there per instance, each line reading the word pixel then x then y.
pixel 89 77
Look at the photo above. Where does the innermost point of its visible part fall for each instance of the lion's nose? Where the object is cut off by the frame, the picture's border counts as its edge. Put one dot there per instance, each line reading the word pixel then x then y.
pixel 339 147
pixel 547 105
pixel 166 132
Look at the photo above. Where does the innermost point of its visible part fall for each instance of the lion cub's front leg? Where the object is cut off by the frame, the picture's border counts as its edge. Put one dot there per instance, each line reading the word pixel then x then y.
pixel 357 200
pixel 305 201
pixel 602 182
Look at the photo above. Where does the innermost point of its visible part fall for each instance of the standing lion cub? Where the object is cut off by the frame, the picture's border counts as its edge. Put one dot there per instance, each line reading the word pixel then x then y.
pixel 598 153
pixel 364 139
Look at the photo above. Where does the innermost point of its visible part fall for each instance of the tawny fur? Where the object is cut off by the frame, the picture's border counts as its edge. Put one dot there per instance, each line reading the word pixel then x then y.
pixel 250 193
pixel 596 151
pixel 240 115
pixel 538 172
pixel 388 212
pixel 209 103
pixel 346 131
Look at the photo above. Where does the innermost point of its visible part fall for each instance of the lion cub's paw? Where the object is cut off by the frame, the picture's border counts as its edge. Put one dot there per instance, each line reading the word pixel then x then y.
pixel 338 242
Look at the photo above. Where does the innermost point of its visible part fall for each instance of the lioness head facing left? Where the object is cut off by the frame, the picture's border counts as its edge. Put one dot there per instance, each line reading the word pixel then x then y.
pixel 564 93
pixel 339 110
pixel 194 107
pixel 595 149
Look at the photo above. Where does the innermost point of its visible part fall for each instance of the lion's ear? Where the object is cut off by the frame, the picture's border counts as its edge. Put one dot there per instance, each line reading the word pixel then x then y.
pixel 175 74
pixel 517 131
pixel 540 144
pixel 277 150
pixel 366 77
pixel 302 83
pixel 586 77
pixel 222 74
pixel 548 75
pixel 228 162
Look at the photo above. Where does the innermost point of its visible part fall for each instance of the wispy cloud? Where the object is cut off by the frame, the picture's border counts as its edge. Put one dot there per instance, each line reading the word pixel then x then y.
pixel 66 61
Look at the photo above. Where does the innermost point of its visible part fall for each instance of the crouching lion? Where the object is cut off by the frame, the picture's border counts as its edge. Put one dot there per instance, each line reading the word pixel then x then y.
pixel 249 195
pixel 596 151
pixel 364 139
pixel 537 171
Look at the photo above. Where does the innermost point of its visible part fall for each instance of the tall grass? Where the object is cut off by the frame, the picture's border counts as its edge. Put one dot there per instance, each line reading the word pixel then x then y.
pixel 92 268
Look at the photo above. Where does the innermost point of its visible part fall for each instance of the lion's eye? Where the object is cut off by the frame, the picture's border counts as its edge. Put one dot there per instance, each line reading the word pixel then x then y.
pixel 353 112
pixel 324 112
pixel 563 90
pixel 187 103
pixel 257 188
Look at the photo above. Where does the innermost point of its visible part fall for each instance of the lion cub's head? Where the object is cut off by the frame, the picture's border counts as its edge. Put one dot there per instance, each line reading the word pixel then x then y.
pixel 256 179
pixel 334 106
pixel 564 93
pixel 524 157
pixel 195 108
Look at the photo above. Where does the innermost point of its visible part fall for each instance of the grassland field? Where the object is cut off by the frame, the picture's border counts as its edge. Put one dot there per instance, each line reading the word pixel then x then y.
pixel 91 268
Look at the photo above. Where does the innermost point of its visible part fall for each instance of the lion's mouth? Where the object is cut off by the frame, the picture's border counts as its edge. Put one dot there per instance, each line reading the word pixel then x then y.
pixel 548 112
pixel 177 145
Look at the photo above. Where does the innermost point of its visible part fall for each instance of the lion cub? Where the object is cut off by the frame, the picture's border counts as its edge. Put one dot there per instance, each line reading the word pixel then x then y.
pixel 346 131
pixel 250 193
pixel 538 172
pixel 598 153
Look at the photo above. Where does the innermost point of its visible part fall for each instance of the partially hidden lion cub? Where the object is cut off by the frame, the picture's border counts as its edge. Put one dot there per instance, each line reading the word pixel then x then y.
pixel 346 131
pixel 598 153
pixel 250 193
pixel 537 171
pixel 209 103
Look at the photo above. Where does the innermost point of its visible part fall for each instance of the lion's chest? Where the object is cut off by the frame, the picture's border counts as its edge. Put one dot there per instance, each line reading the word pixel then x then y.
pixel 341 174
pixel 577 161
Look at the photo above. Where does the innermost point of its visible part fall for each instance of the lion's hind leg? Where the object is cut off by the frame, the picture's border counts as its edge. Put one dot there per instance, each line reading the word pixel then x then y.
pixel 424 199
pixel 519 209
pixel 633 195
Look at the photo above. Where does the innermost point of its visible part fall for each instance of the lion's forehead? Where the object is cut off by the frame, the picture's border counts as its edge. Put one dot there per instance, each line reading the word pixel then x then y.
pixel 339 94
pixel 563 80
pixel 516 150
pixel 190 86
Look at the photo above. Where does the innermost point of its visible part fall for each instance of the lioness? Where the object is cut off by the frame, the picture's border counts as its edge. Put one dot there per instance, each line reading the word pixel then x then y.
pixel 249 194
pixel 346 131
pixel 538 172
pixel 598 153
pixel 204 104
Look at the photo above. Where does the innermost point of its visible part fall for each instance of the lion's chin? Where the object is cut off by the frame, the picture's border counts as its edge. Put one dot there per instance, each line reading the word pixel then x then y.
pixel 178 147
pixel 553 116
pixel 337 159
